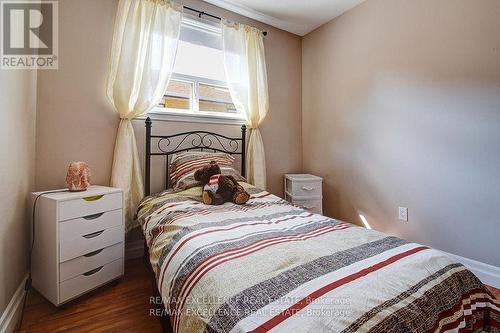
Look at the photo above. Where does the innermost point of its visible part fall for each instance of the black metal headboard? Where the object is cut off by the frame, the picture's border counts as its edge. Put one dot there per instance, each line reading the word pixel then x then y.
pixel 167 145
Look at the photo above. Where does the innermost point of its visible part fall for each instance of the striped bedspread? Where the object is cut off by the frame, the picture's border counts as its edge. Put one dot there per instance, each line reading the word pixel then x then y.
pixel 271 266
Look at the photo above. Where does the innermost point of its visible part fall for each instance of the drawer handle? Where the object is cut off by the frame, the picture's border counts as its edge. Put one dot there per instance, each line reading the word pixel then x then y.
pixel 92 272
pixel 93 216
pixel 91 254
pixel 94 234
pixel 93 198
pixel 308 188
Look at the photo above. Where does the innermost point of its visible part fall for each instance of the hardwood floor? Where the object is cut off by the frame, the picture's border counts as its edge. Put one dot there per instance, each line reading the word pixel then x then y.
pixel 119 307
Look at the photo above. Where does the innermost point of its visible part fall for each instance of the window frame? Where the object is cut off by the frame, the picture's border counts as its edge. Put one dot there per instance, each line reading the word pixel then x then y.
pixel 194 114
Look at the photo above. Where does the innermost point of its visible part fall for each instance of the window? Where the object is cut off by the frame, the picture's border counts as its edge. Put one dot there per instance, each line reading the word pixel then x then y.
pixel 198 84
pixel 178 96
pixel 212 98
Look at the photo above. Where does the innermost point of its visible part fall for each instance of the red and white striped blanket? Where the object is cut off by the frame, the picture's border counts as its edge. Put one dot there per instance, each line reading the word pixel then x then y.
pixel 270 266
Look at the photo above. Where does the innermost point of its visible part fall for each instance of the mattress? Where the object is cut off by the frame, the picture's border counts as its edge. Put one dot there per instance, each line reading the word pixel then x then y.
pixel 272 266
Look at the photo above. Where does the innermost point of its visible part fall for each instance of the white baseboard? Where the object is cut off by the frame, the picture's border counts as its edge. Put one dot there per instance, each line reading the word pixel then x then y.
pixel 488 274
pixel 12 313
pixel 134 249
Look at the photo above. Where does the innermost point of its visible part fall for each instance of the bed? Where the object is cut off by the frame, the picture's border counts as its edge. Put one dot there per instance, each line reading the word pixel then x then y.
pixel 271 266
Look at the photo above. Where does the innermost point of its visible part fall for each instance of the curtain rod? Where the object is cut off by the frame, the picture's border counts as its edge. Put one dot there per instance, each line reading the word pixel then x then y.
pixel 201 13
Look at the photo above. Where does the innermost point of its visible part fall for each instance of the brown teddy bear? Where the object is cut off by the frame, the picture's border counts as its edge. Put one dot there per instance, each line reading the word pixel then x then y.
pixel 217 188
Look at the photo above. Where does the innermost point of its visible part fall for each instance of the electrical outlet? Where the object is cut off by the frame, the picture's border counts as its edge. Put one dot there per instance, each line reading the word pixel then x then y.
pixel 403 214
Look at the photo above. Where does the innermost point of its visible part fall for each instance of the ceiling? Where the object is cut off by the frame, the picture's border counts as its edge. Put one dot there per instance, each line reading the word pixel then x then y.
pixel 296 16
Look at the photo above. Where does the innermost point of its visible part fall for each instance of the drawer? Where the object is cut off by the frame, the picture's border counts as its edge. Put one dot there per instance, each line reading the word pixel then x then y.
pixel 309 188
pixel 71 209
pixel 92 279
pixel 90 261
pixel 314 205
pixel 71 248
pixel 85 225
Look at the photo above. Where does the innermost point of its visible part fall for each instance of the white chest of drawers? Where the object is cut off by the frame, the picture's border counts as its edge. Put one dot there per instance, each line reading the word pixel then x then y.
pixel 304 190
pixel 79 242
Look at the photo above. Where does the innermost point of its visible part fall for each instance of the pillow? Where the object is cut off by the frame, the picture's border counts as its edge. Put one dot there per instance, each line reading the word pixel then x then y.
pixel 184 165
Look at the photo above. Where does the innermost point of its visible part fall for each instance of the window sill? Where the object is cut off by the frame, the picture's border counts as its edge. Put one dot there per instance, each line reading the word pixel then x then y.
pixel 193 118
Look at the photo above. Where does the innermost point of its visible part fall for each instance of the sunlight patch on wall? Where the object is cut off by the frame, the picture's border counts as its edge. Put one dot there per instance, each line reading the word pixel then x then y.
pixel 364 221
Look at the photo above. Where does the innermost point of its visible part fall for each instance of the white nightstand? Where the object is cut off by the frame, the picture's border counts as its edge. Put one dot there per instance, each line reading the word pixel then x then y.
pixel 304 190
pixel 79 242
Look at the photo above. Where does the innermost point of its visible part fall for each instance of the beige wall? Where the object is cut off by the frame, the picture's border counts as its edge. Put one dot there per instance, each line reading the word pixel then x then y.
pixel 76 122
pixel 401 107
pixel 17 175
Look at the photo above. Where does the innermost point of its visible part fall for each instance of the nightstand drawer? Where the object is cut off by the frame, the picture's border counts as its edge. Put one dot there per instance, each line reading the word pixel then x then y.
pixel 303 188
pixel 314 205
pixel 85 225
pixel 90 205
pixel 74 247
pixel 90 261
pixel 90 280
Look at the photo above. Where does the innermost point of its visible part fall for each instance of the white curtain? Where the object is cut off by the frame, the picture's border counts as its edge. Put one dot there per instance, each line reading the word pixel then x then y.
pixel 245 67
pixel 142 56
